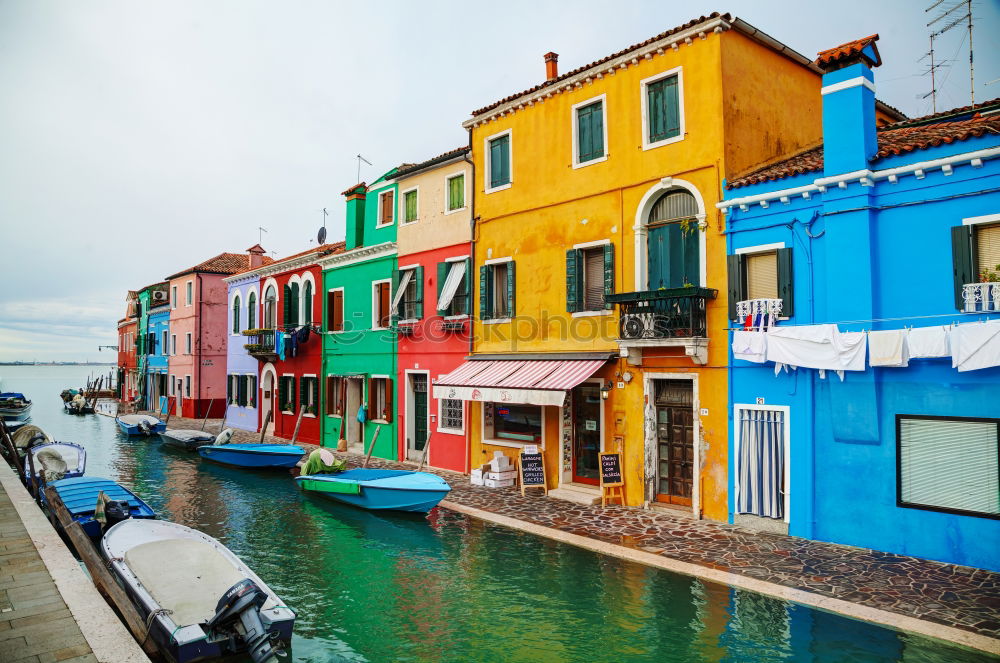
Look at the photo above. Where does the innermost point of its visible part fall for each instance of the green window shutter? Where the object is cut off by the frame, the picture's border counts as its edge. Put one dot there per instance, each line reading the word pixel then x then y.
pixel 500 161
pixel 418 274
pixel 510 290
pixel 292 394
pixel 662 106
pixel 287 304
pixel 295 304
pixel 468 286
pixel 281 394
pixel 735 281
pixel 786 282
pixel 392 293
pixel 243 389
pixel 609 273
pixel 229 389
pixel 442 274
pixel 590 132
pixel 252 311
pixel 410 206
pixel 253 391
pixel 572 280
pixel 456 192
pixel 962 261
pixel 484 289
pixel 307 296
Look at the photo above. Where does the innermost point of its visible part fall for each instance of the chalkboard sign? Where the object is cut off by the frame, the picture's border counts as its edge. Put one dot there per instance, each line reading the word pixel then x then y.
pixel 532 468
pixel 611 469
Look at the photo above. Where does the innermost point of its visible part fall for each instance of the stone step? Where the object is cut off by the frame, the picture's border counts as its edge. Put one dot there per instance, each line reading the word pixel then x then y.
pixel 576 494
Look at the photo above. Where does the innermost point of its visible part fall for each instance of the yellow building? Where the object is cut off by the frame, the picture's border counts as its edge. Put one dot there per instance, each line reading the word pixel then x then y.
pixel 598 249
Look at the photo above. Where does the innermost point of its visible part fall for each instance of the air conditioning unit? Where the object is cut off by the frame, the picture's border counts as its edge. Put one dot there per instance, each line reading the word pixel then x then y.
pixel 159 295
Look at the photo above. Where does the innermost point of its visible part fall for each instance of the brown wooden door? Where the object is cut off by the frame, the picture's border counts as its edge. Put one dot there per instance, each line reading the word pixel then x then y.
pixel 675 447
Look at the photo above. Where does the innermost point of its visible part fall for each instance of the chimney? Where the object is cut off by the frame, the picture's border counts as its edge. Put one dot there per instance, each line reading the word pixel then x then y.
pixel 551 66
pixel 256 256
pixel 849 137
pixel 355 235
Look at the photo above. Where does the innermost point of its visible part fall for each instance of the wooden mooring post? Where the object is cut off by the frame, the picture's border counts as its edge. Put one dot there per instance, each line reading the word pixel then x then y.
pixel 267 420
pixel 371 448
pixel 207 413
pixel 99 573
pixel 298 422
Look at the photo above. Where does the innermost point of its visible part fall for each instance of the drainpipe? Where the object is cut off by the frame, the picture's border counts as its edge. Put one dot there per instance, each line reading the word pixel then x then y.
pixel 472 290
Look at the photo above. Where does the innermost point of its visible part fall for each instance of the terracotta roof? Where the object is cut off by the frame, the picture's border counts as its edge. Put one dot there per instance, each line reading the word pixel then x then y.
pixel 850 50
pixel 224 263
pixel 894 139
pixel 335 247
pixel 540 86
pixel 441 158
pixel 354 189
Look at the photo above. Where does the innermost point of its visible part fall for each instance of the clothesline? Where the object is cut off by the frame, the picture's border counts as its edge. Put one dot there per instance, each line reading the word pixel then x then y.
pixel 956 321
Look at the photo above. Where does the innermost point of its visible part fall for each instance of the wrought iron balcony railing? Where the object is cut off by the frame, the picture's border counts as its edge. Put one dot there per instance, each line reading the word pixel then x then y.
pixel 662 314
pixel 979 297
pixel 261 344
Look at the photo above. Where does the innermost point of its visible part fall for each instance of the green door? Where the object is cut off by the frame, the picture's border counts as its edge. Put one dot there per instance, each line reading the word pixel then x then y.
pixel 418 383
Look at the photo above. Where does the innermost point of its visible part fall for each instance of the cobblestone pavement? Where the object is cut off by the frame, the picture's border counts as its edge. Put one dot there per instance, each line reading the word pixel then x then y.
pixel 35 624
pixel 957 596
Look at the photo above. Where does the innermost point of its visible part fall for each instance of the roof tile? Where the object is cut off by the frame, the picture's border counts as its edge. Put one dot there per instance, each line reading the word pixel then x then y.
pixel 851 49
pixel 224 263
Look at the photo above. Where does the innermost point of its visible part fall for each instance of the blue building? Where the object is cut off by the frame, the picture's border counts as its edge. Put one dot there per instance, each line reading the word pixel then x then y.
pixel 158 355
pixel 865 356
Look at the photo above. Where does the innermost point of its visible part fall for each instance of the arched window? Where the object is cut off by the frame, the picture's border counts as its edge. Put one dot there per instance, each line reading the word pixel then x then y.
pixel 291 305
pixel 270 307
pixel 673 241
pixel 236 314
pixel 307 303
pixel 252 310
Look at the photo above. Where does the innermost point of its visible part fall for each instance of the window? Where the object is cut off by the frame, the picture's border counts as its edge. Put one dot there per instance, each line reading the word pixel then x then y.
pixel 173 296
pixel 452 415
pixel 764 274
pixel 410 206
pixel 187 386
pixel 453 288
pixel 236 314
pixel 987 240
pixel 514 422
pixel 309 392
pixel 588 132
pixel 189 298
pixel 336 395
pixel 975 248
pixel 673 241
pixel 250 390
pixel 948 464
pixel 270 307
pixel 307 303
pixel 662 109
pixel 232 389
pixel 407 302
pixel 590 275
pixel 173 385
pixel 187 343
pixel 164 347
pixel 456 192
pixel 252 310
pixel 760 462
pixel 386 209
pixel 381 294
pixel 498 170
pixel 286 394
pixel 173 344
pixel 496 290
pixel 380 399
pixel 335 310
pixel 291 311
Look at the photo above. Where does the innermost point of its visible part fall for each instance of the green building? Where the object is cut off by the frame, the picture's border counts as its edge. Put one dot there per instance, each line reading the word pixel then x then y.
pixel 359 346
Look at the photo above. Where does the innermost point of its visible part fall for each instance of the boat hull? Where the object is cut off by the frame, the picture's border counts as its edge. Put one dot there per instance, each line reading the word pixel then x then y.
pixel 15 413
pixel 382 490
pixel 253 455
pixel 130 428
pixel 187 440
pixel 79 495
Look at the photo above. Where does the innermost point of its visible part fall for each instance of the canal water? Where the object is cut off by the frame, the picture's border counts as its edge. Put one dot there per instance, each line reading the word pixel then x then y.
pixel 446 587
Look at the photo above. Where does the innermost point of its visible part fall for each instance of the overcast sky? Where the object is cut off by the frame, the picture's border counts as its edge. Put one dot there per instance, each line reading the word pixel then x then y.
pixel 140 138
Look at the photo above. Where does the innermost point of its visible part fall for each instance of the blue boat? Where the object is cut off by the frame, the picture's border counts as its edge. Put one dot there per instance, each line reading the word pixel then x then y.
pixel 79 494
pixel 253 455
pixel 14 406
pixel 52 462
pixel 140 424
pixel 394 490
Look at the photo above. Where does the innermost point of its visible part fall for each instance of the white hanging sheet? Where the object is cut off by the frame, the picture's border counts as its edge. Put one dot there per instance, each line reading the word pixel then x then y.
pixel 975 345
pixel 817 346
pixel 928 342
pixel 888 348
pixel 750 346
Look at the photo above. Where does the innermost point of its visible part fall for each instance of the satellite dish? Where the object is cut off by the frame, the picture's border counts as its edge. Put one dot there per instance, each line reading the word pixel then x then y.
pixel 321 236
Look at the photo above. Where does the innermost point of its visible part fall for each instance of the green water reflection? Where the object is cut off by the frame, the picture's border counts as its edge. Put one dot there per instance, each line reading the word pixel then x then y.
pixel 371 587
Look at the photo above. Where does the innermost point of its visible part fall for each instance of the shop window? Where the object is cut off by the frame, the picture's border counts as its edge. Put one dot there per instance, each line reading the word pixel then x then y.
pixel 453 288
pixel 286 394
pixel 949 464
pixel 380 399
pixel 496 289
pixel 309 393
pixel 590 275
pixel 336 395
pixel 452 415
pixel 513 422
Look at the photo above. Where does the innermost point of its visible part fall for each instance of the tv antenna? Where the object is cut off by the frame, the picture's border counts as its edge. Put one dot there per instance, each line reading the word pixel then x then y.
pixel 360 159
pixel 952 13
pixel 321 235
pixel 260 234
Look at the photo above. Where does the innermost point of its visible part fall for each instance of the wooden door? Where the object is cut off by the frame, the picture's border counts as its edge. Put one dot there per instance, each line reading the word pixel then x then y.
pixel 587 433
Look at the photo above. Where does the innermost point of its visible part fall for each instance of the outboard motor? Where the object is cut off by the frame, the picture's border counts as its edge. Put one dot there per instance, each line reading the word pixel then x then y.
pixel 115 511
pixel 144 426
pixel 237 615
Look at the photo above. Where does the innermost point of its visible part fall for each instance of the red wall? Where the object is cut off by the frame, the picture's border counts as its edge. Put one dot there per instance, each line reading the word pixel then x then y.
pixel 437 352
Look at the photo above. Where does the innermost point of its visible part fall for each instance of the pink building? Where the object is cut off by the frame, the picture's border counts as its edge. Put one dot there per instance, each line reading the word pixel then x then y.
pixel 199 317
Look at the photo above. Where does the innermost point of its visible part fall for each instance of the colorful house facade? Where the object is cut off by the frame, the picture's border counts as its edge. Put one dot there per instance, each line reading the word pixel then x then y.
pixel 157 347
pixel 242 369
pixel 875 254
pixel 288 344
pixel 432 305
pixel 128 326
pixel 601 257
pixel 359 343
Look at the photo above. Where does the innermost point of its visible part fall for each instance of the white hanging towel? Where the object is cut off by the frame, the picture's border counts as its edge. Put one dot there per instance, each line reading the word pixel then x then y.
pixel 888 348
pixel 975 345
pixel 817 346
pixel 750 346
pixel 928 342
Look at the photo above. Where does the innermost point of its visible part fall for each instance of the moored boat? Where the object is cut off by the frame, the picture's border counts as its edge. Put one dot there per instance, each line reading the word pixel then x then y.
pixel 200 599
pixel 140 424
pixel 14 406
pixel 396 490
pixel 80 496
pixel 53 461
pixel 186 439
pixel 78 405
pixel 253 455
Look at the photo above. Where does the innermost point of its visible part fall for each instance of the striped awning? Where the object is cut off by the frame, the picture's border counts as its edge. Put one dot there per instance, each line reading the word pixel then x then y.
pixel 535 382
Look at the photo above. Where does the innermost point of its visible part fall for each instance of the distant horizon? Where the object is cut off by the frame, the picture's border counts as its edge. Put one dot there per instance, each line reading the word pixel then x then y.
pixel 57 363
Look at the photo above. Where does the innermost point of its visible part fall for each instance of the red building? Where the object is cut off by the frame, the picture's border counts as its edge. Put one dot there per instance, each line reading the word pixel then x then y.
pixel 288 344
pixel 431 306
pixel 128 368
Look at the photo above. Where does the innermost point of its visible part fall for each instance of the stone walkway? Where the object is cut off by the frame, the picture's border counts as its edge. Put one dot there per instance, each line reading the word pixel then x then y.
pixel 35 624
pixel 955 596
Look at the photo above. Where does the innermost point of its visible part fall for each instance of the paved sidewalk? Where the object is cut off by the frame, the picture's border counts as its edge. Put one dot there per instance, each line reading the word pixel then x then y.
pixel 955 596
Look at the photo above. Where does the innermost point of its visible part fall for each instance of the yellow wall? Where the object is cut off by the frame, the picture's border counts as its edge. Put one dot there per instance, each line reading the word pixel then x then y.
pixel 731 86
pixel 433 228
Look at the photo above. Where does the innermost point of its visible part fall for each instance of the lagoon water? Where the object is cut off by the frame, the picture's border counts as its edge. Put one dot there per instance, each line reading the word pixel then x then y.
pixel 445 587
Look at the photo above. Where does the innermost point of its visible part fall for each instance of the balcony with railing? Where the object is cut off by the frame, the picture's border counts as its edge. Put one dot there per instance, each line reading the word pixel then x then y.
pixel 261 344
pixel 763 313
pixel 981 297
pixel 664 318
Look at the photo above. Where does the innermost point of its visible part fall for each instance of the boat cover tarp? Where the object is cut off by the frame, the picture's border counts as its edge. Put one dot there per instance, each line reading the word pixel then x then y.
pixel 25 435
pixel 315 464
pixel 185 576
pixel 364 474
pixel 54 463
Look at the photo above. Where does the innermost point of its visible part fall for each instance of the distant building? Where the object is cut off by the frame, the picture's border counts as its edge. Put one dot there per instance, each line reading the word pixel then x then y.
pixel 128 376
pixel 242 369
